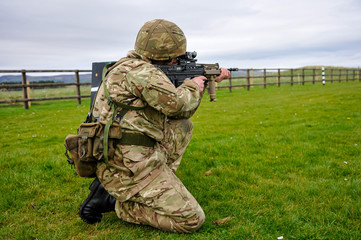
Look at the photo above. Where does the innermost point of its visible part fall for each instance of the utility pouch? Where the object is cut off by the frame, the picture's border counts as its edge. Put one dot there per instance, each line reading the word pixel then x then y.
pixel 87 147
pixel 86 133
pixel 82 168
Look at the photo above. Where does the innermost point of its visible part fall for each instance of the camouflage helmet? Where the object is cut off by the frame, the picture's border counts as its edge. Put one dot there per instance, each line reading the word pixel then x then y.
pixel 160 40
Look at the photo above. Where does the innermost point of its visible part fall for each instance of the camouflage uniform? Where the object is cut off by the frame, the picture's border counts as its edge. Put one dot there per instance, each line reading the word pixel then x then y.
pixel 141 178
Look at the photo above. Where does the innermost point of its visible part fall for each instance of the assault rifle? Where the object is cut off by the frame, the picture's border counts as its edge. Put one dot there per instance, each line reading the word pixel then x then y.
pixel 186 67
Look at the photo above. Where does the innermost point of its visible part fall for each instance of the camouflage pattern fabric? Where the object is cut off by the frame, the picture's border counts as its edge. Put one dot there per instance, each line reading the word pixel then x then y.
pixel 165 204
pixel 160 39
pixel 141 178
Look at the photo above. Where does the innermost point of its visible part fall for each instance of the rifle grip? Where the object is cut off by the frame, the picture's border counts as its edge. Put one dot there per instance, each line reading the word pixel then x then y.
pixel 212 89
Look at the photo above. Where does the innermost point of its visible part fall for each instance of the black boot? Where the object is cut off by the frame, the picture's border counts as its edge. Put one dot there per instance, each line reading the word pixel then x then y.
pixel 99 201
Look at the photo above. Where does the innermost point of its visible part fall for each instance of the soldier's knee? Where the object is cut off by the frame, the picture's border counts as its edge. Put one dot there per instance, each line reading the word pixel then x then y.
pixel 200 220
pixel 194 223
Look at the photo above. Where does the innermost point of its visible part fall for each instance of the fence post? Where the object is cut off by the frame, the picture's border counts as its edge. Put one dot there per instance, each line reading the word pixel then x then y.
pixel 230 83
pixel 303 76
pixel 252 77
pixel 291 76
pixel 353 77
pixel 28 92
pixel 248 85
pixel 331 75
pixel 279 78
pixel 25 92
pixel 77 86
pixel 340 72
pixel 359 75
pixel 264 79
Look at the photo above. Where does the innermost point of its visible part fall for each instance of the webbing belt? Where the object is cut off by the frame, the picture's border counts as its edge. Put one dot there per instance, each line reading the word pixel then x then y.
pixel 136 139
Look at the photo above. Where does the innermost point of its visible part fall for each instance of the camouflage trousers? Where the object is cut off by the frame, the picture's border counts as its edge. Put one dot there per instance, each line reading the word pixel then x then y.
pixel 164 203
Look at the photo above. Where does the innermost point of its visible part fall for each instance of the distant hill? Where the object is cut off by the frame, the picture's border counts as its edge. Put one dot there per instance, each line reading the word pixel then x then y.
pixel 84 78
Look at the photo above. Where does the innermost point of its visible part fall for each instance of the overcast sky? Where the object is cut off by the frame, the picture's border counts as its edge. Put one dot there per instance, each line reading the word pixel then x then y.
pixel 71 34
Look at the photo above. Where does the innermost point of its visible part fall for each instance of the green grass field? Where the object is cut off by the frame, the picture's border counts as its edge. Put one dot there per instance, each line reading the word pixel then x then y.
pixel 279 161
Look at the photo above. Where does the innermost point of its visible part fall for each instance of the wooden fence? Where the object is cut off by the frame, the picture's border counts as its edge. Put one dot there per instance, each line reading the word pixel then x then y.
pixel 241 78
pixel 26 86
pixel 247 78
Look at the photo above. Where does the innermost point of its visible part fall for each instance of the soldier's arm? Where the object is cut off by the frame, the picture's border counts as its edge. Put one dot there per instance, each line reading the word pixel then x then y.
pixel 162 95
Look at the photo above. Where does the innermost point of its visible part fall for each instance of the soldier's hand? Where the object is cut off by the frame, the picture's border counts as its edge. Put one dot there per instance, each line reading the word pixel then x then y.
pixel 200 81
pixel 224 74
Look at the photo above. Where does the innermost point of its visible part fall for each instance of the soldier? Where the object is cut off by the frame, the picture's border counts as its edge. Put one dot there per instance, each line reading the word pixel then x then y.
pixel 139 181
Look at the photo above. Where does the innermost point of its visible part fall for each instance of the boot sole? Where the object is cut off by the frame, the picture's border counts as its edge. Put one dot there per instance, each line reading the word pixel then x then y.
pixel 93 187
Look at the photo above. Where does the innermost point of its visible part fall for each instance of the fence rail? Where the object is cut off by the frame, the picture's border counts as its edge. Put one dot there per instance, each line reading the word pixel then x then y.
pixel 26 86
pixel 242 78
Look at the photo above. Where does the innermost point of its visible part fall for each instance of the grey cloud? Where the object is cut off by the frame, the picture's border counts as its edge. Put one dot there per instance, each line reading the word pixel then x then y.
pixel 72 34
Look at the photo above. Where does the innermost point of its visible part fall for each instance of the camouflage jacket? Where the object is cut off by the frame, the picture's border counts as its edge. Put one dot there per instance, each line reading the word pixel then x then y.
pixel 134 81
